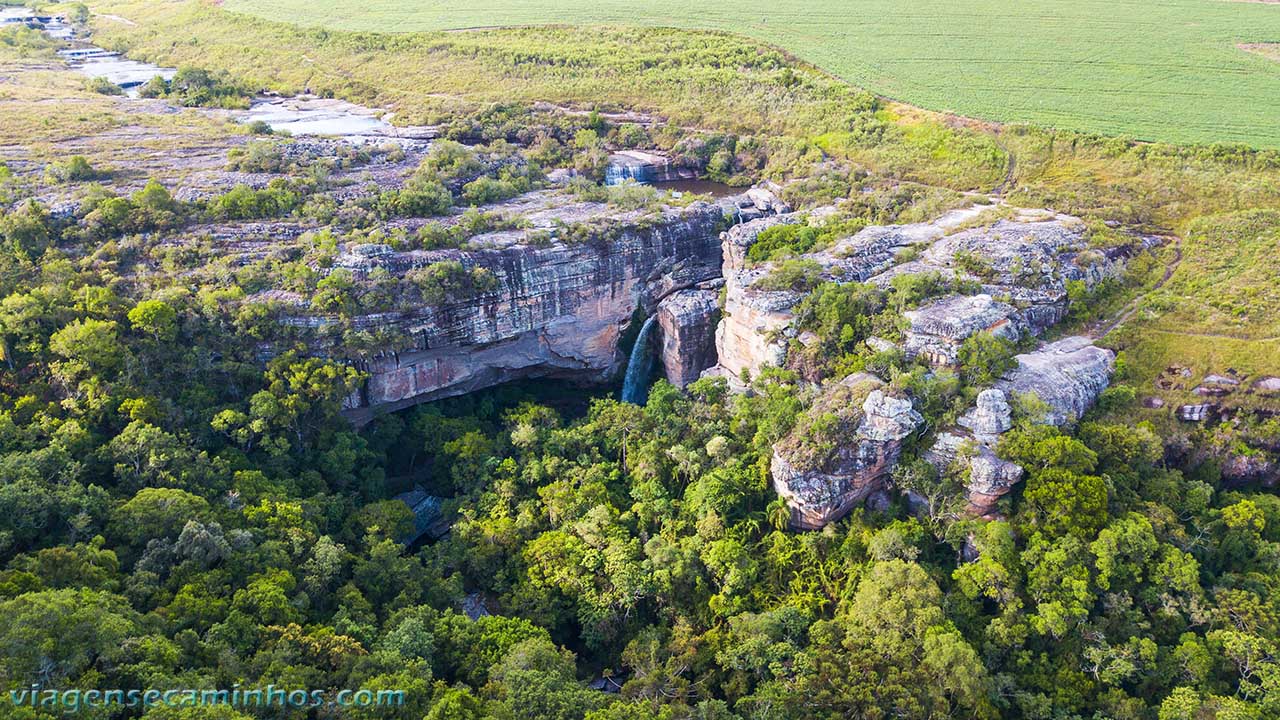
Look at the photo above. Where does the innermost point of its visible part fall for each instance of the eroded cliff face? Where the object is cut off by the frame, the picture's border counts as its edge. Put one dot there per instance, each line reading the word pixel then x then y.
pixel 687 319
pixel 557 310
pixel 822 469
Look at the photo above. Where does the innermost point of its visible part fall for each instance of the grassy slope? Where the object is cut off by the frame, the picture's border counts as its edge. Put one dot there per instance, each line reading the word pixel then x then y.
pixel 1166 71
pixel 1219 311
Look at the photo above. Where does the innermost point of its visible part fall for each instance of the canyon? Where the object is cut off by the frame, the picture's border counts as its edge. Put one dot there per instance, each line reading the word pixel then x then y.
pixel 561 309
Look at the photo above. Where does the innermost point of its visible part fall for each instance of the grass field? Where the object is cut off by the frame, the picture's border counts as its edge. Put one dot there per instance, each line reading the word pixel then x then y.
pixel 1168 71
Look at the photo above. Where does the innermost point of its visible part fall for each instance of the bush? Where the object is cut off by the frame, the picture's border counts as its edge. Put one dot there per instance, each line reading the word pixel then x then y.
pixel 244 203
pixel 451 161
pixel 793 275
pixel 783 240
pixel 257 157
pixel 74 169
pixel 449 281
pixel 197 87
pixel 484 190
pixel 420 197
pixel 104 86
pixel 985 357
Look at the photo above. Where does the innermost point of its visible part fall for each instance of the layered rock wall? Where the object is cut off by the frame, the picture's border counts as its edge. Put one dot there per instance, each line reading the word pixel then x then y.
pixel 688 322
pixel 557 311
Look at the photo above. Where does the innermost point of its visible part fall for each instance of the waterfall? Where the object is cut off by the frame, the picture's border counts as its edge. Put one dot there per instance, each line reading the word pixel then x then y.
pixel 618 173
pixel 635 386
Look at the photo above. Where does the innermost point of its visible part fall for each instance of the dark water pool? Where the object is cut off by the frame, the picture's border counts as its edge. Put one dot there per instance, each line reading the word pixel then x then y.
pixel 700 187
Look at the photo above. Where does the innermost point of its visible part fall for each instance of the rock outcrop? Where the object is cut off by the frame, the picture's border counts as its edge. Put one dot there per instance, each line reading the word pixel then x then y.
pixel 990 416
pixel 557 310
pixel 939 329
pixel 1021 268
pixel 822 469
pixel 688 322
pixel 989 477
pixel 1066 377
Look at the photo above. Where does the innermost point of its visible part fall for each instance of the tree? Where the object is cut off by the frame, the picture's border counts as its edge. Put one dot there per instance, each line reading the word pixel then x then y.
pixel 1061 501
pixel 156 513
pixel 984 357
pixel 535 680
pixel 89 341
pixel 28 230
pixel 55 635
pixel 155 318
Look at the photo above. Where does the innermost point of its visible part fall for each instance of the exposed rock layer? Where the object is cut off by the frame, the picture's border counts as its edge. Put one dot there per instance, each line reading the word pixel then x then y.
pixel 822 480
pixel 557 311
pixel 688 322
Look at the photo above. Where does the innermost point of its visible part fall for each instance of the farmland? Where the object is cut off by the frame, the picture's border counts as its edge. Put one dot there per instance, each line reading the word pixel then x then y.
pixel 1170 71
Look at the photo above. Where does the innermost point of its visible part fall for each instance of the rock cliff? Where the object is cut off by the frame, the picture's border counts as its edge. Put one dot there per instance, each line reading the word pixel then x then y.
pixel 688 322
pixel 557 309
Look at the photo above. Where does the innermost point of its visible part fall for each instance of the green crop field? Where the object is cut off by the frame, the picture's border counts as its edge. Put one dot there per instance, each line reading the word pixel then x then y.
pixel 1169 71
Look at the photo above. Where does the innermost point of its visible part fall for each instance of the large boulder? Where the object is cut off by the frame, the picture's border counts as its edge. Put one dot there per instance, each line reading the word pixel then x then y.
pixel 841 450
pixel 989 417
pixel 1067 376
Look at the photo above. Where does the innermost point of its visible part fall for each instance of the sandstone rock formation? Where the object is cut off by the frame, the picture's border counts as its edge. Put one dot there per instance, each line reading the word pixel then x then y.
pixel 688 322
pixel 558 310
pixel 823 471
pixel 1066 376
pixel 990 416
pixel 1022 266
pixel 990 478
pixel 940 328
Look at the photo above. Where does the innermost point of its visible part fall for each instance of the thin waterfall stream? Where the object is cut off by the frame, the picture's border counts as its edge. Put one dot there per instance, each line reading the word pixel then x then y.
pixel 635 385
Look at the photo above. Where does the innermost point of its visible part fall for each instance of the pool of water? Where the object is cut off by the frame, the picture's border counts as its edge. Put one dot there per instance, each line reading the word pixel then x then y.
pixel 700 187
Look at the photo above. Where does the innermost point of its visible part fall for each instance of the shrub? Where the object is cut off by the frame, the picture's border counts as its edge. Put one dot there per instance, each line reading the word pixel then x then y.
pixel 484 190
pixel 985 357
pixel 782 240
pixel 104 86
pixel 244 203
pixel 451 161
pixel 793 275
pixel 74 169
pixel 449 281
pixel 421 197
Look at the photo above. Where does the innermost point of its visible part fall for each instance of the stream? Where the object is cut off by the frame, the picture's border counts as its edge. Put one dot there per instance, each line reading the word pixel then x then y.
pixel 304 115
